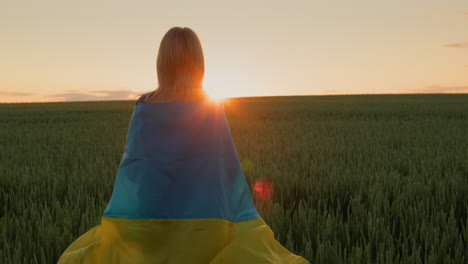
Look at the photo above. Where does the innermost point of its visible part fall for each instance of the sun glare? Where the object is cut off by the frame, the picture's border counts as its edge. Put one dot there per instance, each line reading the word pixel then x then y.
pixel 215 95
pixel 220 85
pixel 215 89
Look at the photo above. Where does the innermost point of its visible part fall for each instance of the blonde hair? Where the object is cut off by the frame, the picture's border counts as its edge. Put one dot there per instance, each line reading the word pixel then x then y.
pixel 180 67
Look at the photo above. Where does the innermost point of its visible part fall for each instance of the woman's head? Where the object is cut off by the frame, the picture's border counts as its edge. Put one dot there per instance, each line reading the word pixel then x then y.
pixel 180 64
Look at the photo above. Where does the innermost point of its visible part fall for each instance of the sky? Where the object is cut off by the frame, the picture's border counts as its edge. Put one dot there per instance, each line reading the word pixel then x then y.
pixel 106 50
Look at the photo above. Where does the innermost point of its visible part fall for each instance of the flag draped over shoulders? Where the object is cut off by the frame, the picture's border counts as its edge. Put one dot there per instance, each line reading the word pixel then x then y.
pixel 180 196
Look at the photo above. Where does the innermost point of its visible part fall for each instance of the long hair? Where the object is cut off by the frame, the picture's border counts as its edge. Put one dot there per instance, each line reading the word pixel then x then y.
pixel 180 66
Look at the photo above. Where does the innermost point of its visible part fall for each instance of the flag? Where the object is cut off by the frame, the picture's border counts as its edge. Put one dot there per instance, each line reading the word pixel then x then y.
pixel 180 196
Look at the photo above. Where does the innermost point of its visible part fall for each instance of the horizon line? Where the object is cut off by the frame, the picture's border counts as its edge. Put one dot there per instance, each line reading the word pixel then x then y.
pixel 240 97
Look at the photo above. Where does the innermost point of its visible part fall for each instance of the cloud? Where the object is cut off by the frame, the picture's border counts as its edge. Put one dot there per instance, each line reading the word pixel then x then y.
pixel 461 45
pixel 97 95
pixel 5 93
pixel 441 89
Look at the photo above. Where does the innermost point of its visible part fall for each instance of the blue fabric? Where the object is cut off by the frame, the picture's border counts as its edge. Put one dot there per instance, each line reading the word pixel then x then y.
pixel 180 163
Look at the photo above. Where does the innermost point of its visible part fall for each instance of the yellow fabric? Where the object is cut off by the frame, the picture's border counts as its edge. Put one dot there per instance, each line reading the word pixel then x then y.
pixel 211 241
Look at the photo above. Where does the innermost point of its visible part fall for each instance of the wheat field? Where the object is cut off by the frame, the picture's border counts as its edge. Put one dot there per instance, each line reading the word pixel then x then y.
pixel 356 178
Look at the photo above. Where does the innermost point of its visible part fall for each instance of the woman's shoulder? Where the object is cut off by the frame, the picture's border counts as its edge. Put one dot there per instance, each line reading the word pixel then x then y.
pixel 143 97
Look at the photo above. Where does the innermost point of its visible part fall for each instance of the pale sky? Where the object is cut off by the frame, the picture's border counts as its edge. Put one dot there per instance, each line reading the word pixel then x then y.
pixel 102 50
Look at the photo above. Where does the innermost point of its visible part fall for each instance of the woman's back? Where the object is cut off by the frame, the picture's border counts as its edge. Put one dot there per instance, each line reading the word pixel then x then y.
pixel 180 196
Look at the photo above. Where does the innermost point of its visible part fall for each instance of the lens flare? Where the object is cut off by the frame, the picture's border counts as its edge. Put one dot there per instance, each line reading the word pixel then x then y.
pixel 263 189
pixel 246 165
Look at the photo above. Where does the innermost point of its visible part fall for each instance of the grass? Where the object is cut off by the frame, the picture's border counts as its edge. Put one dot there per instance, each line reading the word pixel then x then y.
pixel 357 179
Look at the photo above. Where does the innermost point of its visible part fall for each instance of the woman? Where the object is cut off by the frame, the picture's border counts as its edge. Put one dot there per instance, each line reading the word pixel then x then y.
pixel 180 195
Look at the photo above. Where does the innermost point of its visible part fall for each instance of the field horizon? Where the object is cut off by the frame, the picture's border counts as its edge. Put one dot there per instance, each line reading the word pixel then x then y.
pixel 260 96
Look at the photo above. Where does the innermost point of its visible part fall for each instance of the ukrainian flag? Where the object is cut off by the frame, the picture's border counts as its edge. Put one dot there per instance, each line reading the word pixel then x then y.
pixel 180 196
